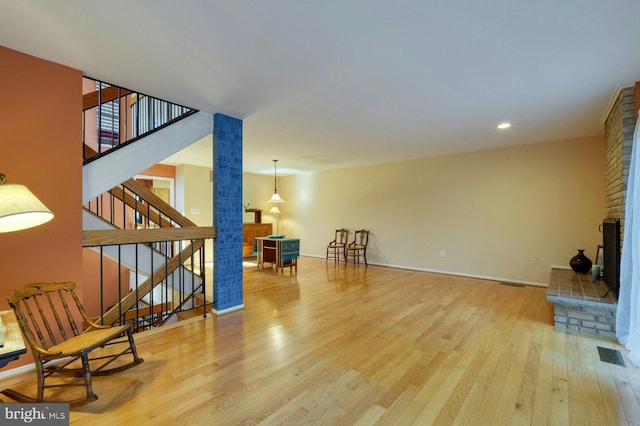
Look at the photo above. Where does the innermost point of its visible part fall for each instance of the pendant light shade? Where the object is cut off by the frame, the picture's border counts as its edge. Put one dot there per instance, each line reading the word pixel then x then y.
pixel 275 198
pixel 19 208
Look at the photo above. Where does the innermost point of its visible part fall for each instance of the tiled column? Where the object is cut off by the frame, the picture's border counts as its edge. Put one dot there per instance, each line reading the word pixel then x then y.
pixel 227 213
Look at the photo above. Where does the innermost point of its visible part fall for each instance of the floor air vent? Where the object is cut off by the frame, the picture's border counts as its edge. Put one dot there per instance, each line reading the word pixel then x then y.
pixel 512 284
pixel 611 356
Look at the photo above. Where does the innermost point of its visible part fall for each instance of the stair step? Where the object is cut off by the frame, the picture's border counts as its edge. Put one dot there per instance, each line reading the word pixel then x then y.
pixel 191 313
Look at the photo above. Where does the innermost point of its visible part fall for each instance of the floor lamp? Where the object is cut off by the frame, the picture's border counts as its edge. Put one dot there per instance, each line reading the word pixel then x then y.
pixel 19 208
pixel 276 212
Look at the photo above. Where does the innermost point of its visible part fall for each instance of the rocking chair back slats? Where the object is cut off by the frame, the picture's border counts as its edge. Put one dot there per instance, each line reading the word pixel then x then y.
pixel 74 326
pixel 72 321
pixel 34 322
pixel 56 316
pixel 44 318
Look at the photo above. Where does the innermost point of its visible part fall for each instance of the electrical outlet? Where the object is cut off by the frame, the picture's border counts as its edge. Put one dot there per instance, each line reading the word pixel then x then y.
pixel 443 253
pixel 534 260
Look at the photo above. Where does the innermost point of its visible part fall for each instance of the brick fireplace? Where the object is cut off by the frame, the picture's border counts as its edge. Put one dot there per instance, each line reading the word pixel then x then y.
pixel 619 126
pixel 577 302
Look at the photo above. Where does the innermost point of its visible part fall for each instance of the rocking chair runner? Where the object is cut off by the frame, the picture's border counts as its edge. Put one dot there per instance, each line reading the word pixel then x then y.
pixel 47 315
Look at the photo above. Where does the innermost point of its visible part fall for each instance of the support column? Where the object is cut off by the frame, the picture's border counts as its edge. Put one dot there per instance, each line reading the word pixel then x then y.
pixel 227 214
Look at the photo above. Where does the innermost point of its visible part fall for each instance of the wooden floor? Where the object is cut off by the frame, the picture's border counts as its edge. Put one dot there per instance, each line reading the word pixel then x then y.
pixel 354 345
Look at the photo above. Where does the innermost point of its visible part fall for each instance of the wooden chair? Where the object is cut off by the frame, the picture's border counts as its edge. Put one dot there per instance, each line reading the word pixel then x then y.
pixel 48 314
pixel 357 250
pixel 338 245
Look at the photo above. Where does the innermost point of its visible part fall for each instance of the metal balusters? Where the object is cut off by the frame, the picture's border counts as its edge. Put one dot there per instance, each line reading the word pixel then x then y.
pixel 148 114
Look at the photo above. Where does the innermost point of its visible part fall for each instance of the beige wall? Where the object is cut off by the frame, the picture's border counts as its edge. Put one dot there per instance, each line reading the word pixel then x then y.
pixel 196 204
pixel 492 212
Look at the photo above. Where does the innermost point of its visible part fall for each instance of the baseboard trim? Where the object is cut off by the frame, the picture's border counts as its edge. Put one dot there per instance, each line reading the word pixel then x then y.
pixel 458 274
pixel 17 370
pixel 227 310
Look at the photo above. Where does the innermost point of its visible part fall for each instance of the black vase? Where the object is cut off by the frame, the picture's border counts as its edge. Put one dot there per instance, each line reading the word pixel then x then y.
pixel 580 263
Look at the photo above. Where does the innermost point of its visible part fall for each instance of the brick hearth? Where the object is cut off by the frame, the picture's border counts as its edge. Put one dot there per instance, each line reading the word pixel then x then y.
pixel 577 304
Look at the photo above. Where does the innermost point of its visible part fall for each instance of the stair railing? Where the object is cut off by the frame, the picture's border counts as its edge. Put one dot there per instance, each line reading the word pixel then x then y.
pixel 149 228
pixel 175 284
pixel 114 116
pixel 132 206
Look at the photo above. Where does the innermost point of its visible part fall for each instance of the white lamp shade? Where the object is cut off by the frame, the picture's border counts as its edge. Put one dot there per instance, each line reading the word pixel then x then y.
pixel 275 198
pixel 274 210
pixel 20 209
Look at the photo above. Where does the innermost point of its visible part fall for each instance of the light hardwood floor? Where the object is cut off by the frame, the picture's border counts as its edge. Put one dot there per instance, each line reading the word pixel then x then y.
pixel 354 345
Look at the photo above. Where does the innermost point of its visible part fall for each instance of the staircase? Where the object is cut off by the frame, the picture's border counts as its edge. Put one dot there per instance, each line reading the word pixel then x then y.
pixel 159 269
pixel 103 172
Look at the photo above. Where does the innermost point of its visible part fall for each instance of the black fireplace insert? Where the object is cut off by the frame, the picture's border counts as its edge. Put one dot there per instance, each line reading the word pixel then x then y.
pixel 611 248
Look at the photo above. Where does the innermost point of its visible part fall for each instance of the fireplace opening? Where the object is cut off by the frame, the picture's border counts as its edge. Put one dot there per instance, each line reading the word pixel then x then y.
pixel 611 249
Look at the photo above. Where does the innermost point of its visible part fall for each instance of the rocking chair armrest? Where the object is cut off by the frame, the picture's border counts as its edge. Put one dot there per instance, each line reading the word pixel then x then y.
pixel 95 325
pixel 45 352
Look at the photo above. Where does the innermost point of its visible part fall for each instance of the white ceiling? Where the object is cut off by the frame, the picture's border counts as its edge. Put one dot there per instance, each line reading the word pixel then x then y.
pixel 323 84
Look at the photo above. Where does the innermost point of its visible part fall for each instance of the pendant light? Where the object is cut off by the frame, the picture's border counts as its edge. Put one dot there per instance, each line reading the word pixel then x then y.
pixel 275 198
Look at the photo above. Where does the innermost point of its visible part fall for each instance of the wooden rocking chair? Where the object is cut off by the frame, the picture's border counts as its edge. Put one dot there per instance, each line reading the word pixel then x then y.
pixel 47 314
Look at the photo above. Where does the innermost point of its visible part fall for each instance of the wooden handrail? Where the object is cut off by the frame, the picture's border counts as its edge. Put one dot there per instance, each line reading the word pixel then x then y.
pixel 157 202
pixel 143 207
pixel 131 236
pixel 90 100
pixel 144 311
pixel 88 152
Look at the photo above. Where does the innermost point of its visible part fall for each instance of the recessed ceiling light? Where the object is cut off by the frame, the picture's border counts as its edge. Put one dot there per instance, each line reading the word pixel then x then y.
pixel 504 125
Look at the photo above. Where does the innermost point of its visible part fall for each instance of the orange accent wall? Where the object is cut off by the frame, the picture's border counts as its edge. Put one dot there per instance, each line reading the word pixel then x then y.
pixel 40 147
pixel 162 170
pixel 111 274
